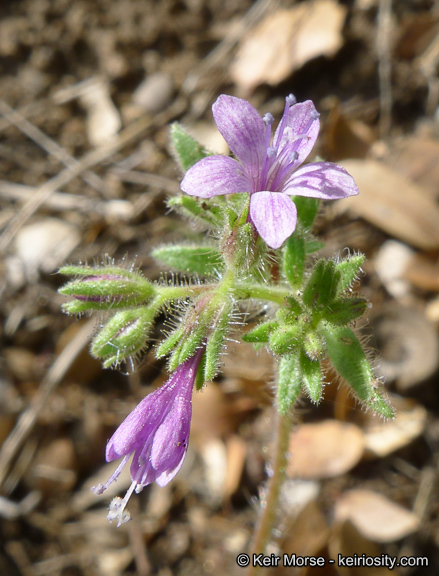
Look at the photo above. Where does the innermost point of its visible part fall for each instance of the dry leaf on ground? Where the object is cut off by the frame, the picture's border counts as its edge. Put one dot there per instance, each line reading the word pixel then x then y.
pixel 391 202
pixel 286 40
pixel 325 449
pixel 376 517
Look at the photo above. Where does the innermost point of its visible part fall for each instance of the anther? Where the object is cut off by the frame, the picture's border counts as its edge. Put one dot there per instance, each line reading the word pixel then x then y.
pixel 268 119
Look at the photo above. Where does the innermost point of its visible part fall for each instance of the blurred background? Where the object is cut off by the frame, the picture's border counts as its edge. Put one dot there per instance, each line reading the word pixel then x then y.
pixel 87 93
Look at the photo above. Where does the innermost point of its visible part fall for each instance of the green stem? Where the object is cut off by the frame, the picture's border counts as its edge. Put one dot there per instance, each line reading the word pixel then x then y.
pixel 270 499
pixel 275 294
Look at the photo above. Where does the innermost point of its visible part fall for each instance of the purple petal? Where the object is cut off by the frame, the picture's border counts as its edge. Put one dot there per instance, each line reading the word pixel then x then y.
pixel 172 437
pixel 303 126
pixel 244 131
pixel 139 424
pixel 274 215
pixel 214 176
pixel 321 180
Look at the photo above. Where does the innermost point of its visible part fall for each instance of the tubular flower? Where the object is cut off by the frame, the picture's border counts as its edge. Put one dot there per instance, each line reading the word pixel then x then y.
pixel 157 433
pixel 268 169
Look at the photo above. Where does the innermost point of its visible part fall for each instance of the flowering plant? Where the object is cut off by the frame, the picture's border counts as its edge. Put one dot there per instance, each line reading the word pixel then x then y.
pixel 260 205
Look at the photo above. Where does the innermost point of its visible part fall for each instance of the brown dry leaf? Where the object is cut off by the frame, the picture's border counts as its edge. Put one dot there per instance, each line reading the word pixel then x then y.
pixel 306 536
pixel 417 157
pixel 423 273
pixel 346 137
pixel 325 449
pixel 347 541
pixel 391 202
pixel 376 517
pixel 383 438
pixel 285 40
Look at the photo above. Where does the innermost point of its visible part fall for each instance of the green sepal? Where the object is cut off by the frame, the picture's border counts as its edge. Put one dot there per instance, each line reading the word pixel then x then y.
pixel 289 382
pixel 169 343
pixel 343 311
pixel 293 263
pixel 311 377
pixel 123 335
pixel 261 333
pixel 203 260
pixel 188 150
pixel 204 211
pixel 322 285
pixel 286 339
pixel 307 209
pixel 348 358
pixel 215 340
pixel 186 349
pixel 313 345
pixel 349 269
pixel 290 311
pixel 199 378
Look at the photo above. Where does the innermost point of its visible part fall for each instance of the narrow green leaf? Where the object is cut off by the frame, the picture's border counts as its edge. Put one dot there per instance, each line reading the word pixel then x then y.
pixel 349 269
pixel 343 311
pixel 188 150
pixel 294 259
pixel 312 377
pixel 348 358
pixel 321 287
pixel 289 383
pixel 204 211
pixel 260 333
pixel 203 260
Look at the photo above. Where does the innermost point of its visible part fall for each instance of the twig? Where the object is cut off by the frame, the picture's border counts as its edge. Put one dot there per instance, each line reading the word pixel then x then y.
pixel 385 66
pixel 127 135
pixel 49 145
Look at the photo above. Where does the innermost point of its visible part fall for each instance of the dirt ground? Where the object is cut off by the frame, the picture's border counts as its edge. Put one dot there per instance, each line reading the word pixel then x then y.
pixel 87 93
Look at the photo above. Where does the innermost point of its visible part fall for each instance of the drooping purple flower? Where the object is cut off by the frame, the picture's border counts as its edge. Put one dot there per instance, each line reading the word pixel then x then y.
pixel 157 433
pixel 268 169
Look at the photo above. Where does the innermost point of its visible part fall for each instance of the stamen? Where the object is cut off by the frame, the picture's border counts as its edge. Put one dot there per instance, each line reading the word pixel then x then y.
pixel 283 122
pixel 117 507
pixel 268 119
pixel 100 488
pixel 291 99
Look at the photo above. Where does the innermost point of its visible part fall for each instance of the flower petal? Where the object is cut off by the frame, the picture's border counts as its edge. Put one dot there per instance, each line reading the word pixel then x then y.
pixel 274 216
pixel 214 176
pixel 171 439
pixel 303 126
pixel 244 131
pixel 321 180
pixel 140 424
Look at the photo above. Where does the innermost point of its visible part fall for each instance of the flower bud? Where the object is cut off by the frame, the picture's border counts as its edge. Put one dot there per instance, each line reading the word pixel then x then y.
pixel 123 336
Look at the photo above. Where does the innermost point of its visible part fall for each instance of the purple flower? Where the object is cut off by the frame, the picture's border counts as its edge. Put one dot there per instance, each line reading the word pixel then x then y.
pixel 268 170
pixel 157 433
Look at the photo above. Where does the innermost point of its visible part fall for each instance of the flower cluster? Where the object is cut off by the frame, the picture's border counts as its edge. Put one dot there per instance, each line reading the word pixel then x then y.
pixel 312 306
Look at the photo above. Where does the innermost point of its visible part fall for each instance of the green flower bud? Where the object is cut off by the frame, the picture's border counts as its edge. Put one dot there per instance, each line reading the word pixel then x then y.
pixel 124 335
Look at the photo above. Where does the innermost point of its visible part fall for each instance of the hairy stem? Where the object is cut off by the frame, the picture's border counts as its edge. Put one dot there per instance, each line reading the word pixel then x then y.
pixel 270 498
